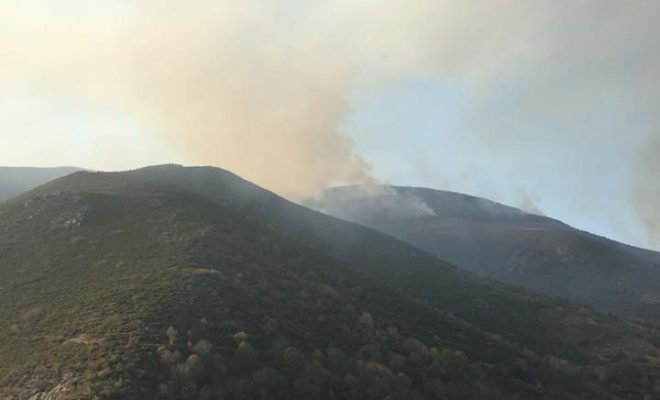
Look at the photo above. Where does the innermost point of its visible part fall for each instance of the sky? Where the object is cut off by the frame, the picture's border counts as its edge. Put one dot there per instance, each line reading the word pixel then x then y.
pixel 551 106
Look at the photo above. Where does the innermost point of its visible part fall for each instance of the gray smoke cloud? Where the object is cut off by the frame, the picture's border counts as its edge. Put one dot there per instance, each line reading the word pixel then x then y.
pixel 646 192
pixel 370 202
pixel 263 87
pixel 527 201
pixel 258 87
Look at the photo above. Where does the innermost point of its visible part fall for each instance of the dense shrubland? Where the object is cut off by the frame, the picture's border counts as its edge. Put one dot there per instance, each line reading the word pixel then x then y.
pixel 149 292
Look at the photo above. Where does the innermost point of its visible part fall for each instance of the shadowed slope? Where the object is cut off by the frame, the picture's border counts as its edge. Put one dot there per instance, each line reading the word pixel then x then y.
pixel 535 252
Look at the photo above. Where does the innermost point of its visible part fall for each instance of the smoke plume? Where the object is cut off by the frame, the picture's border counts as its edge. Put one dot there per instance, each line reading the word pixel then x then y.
pixel 263 87
pixel 646 193
pixel 258 87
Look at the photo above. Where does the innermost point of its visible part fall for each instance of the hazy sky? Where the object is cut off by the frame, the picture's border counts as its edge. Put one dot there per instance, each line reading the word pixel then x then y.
pixel 547 105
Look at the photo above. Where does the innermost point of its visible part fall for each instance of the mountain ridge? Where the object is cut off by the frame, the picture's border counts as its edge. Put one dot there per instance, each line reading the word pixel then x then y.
pixel 536 252
pixel 339 239
pixel 98 266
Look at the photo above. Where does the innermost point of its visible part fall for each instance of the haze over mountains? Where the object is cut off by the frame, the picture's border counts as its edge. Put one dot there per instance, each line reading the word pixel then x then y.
pixel 532 251
pixel 16 180
pixel 268 299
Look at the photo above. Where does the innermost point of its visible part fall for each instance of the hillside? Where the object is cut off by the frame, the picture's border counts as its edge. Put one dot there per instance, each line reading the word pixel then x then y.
pixel 173 282
pixel 543 324
pixel 16 180
pixel 531 251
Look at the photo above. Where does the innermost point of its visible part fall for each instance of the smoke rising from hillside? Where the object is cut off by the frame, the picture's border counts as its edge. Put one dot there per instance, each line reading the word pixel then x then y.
pixel 647 188
pixel 262 87
pixel 370 202
pixel 257 87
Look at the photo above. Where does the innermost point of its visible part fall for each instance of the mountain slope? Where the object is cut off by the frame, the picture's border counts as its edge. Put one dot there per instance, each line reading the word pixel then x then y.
pixel 535 252
pixel 91 282
pixel 269 298
pixel 542 324
pixel 16 180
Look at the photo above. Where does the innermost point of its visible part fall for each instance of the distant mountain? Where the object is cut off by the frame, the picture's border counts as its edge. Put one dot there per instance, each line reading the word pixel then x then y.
pixel 191 283
pixel 505 243
pixel 16 180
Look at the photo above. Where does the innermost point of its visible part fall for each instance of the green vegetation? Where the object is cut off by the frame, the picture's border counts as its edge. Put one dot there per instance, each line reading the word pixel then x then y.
pixel 113 286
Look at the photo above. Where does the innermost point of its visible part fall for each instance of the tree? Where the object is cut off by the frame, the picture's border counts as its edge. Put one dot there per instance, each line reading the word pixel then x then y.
pixel 293 358
pixel 202 348
pixel 172 334
pixel 367 321
pixel 245 356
